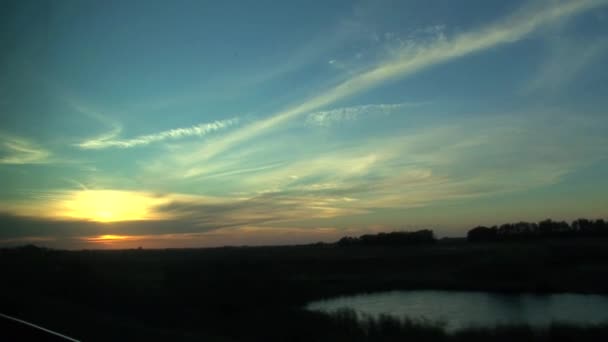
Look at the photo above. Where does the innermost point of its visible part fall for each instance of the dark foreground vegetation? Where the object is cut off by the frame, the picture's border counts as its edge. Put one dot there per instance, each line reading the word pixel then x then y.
pixel 257 293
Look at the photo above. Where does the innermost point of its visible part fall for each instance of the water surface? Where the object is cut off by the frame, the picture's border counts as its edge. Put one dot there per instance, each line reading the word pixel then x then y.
pixel 459 310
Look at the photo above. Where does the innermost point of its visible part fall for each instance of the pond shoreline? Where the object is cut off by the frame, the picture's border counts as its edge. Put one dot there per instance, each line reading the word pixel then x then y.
pixel 461 309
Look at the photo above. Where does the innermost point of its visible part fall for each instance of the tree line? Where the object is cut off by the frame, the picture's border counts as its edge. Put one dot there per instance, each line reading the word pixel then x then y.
pixel 424 236
pixel 506 232
pixel 543 229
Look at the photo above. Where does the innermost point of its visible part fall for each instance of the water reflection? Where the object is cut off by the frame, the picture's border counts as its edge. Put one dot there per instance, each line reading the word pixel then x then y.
pixel 463 309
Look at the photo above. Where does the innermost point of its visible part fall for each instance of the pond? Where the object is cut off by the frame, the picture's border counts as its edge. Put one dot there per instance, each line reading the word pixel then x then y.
pixel 459 310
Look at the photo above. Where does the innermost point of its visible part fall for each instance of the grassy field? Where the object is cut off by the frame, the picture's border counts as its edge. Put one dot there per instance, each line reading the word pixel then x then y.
pixel 257 293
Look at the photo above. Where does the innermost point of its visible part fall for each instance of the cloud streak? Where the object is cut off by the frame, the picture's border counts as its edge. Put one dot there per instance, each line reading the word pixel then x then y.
pixel 567 60
pixel 329 117
pixel 475 157
pixel 108 141
pixel 19 151
pixel 414 59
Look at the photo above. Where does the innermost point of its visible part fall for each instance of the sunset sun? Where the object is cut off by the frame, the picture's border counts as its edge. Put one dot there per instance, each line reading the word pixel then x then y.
pixel 110 206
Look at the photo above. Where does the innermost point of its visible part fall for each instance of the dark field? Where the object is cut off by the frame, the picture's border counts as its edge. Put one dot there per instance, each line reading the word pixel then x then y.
pixel 256 293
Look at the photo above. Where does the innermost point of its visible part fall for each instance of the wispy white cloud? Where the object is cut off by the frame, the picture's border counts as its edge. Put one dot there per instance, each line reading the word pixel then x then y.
pixel 114 128
pixel 329 117
pixel 483 157
pixel 411 59
pixel 567 59
pixel 16 150
pixel 471 158
pixel 108 140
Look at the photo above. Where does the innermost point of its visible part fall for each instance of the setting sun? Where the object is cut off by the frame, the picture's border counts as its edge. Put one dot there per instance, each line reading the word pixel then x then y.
pixel 110 205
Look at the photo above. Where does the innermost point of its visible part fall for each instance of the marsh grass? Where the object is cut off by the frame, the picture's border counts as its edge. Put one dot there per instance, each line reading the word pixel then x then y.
pixel 347 325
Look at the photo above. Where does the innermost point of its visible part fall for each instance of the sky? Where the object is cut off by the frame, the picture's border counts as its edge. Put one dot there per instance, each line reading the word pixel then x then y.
pixel 200 123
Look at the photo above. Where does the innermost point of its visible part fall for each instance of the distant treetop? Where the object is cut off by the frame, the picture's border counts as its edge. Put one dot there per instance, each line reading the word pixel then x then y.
pixel 424 236
pixel 543 229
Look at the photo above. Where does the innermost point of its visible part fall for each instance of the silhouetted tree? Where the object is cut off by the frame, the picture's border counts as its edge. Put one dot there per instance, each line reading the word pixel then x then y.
pixel 585 227
pixel 390 239
pixel 346 241
pixel 482 234
pixel 545 228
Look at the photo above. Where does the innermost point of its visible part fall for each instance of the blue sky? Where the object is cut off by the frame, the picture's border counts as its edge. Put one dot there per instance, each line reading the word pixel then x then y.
pixel 190 123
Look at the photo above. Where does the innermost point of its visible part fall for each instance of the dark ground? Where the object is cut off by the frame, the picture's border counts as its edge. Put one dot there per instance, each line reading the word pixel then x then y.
pixel 256 293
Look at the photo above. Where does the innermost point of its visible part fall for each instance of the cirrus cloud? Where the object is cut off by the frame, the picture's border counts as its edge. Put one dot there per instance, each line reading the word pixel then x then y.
pixel 108 140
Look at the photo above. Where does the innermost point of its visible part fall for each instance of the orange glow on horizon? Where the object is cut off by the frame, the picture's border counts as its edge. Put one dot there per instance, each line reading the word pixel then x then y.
pixel 110 238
